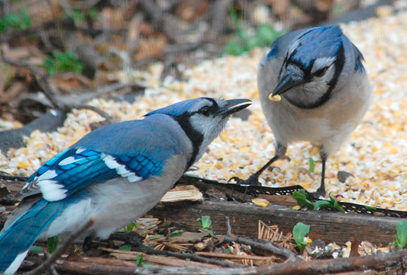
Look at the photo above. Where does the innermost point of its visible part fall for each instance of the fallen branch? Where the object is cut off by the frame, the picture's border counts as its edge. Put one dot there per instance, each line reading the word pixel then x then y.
pixel 374 262
pixel 61 249
pixel 190 256
pixel 268 247
pixel 168 261
pixel 234 256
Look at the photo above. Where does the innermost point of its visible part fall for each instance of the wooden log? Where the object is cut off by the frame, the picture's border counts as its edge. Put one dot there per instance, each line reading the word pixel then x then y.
pixel 326 225
pixel 383 261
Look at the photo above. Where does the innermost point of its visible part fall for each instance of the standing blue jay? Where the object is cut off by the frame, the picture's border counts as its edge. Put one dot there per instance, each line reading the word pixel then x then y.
pixel 115 174
pixel 312 87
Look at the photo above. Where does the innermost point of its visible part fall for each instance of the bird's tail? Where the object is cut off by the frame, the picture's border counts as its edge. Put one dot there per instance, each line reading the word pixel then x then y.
pixel 23 232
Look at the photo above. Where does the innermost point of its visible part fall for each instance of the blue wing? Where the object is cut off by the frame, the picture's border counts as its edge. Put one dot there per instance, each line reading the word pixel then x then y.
pixel 128 150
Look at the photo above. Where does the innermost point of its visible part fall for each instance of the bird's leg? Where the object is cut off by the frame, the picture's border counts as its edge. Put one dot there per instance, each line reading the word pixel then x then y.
pixel 321 189
pixel 88 243
pixel 254 178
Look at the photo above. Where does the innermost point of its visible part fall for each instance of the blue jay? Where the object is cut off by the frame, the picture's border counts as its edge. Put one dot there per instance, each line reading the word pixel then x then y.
pixel 312 87
pixel 114 174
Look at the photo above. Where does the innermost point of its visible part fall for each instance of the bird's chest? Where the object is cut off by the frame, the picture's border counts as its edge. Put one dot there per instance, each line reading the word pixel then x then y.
pixel 291 124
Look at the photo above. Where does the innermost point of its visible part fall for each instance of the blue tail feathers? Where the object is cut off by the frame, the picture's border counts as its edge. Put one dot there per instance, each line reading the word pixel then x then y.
pixel 24 231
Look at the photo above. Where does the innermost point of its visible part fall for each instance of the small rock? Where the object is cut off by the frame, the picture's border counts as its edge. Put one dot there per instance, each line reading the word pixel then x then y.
pixel 343 175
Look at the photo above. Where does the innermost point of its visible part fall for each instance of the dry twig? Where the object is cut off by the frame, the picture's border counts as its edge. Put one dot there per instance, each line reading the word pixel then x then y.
pixel 274 248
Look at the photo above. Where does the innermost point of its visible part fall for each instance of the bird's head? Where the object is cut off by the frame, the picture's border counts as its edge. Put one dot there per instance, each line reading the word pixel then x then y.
pixel 202 119
pixel 312 65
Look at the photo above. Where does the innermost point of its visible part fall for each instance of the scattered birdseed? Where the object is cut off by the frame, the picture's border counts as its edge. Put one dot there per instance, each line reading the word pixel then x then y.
pixel 375 154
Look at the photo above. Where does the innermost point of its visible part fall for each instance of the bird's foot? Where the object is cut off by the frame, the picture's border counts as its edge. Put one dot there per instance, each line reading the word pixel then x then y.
pixel 319 193
pixel 131 238
pixel 90 243
pixel 253 180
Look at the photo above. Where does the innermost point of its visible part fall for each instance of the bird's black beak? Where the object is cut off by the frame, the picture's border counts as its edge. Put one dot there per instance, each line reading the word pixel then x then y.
pixel 291 80
pixel 234 105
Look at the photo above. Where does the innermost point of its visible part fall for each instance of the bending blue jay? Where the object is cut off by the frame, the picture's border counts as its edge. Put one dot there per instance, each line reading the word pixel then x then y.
pixel 312 87
pixel 115 174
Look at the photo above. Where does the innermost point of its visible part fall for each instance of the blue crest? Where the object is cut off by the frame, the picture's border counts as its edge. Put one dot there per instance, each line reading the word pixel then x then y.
pixel 176 109
pixel 316 43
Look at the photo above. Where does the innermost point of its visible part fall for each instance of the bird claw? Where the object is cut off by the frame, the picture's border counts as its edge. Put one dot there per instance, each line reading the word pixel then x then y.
pixel 320 193
pixel 253 180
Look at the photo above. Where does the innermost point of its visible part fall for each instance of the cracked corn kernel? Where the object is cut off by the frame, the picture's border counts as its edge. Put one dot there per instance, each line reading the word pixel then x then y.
pixel 260 202
pixel 275 97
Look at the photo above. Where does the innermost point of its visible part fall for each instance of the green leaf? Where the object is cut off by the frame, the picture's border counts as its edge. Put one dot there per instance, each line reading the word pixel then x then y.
pixel 62 62
pixel 311 165
pixel 125 248
pixel 300 230
pixel 401 237
pixel 36 249
pixel 25 18
pixel 52 244
pixel 205 222
pixel 371 208
pixel 321 204
pixel 130 227
pixel 177 233
pixel 335 204
pixel 302 199
pixel 233 48
pixel 139 260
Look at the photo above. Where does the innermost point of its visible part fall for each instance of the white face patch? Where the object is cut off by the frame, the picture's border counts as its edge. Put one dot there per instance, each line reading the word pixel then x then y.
pixel 120 168
pixel 209 126
pixel 322 62
pixel 16 263
pixel 52 190
pixel 201 104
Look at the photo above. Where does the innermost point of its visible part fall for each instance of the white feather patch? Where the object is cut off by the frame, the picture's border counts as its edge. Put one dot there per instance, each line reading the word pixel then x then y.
pixel 134 178
pixel 27 184
pixel 16 263
pixel 128 174
pixel 80 150
pixel 68 160
pixel 51 190
pixel 50 174
pixel 110 161
pixel 120 168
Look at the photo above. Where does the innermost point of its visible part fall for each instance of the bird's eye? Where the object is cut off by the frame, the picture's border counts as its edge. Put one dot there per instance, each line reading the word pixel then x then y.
pixel 321 72
pixel 205 111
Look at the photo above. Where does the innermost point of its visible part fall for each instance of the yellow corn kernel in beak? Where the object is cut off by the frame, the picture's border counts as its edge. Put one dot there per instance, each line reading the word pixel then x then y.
pixel 275 98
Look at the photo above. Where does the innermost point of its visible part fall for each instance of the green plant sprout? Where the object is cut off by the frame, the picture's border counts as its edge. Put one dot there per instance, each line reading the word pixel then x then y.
pixel 130 227
pixel 311 165
pixel 18 21
pixel 205 224
pixel 176 233
pixel 303 200
pixel 401 236
pixel 300 230
pixel 242 42
pixel 52 244
pixel 62 62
